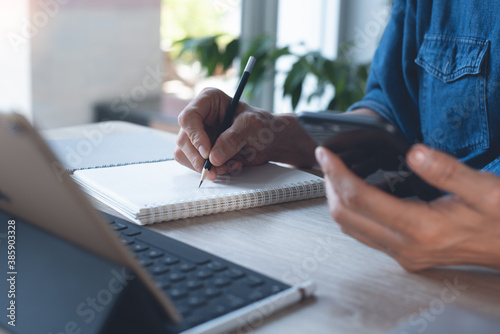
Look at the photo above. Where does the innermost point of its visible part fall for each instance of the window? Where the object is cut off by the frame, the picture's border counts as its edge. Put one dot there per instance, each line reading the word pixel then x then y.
pixel 193 18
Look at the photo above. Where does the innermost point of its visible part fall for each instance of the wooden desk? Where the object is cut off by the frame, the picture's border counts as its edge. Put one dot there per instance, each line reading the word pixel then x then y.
pixel 360 290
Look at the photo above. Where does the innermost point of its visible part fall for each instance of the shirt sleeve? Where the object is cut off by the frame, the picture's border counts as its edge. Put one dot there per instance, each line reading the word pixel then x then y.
pixel 392 86
pixel 493 167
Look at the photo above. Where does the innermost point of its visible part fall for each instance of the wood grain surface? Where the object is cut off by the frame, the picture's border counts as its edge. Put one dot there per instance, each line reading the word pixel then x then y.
pixel 360 290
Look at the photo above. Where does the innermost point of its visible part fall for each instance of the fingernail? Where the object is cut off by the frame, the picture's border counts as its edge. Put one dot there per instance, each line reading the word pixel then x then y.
pixel 203 152
pixel 321 155
pixel 418 156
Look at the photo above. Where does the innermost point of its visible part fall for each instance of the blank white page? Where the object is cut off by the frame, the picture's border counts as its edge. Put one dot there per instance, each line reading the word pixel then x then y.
pixel 134 187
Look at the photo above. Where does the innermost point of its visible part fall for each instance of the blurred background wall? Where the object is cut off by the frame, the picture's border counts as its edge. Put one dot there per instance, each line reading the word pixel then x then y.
pixel 64 56
pixel 61 58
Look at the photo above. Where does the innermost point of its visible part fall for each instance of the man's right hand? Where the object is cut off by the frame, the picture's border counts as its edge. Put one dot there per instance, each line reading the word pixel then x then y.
pixel 255 136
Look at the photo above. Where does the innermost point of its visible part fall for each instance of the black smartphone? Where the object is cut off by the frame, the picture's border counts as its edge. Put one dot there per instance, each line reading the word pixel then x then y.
pixel 367 144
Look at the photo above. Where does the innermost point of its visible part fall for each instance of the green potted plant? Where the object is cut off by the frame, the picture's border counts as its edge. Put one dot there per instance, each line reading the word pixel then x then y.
pixel 348 79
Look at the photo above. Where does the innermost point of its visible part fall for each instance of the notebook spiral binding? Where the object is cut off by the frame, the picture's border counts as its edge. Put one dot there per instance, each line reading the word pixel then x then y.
pixel 236 201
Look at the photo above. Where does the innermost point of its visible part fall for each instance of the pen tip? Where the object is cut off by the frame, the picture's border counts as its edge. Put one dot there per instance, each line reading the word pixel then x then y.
pixel 204 174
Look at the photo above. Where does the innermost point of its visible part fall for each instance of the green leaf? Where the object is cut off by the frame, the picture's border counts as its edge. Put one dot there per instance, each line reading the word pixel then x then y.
pixel 231 52
pixel 296 94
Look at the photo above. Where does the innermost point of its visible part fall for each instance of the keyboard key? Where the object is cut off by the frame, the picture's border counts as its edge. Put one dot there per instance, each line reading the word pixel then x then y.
pixel 201 261
pixel 256 295
pixel 177 293
pixel 193 255
pixel 153 254
pixel 140 247
pixel 196 301
pixel 204 274
pixel 219 310
pixel 159 269
pixel 118 227
pixel 235 273
pixel 212 292
pixel 128 230
pixel 176 277
pixel 197 318
pixel 145 262
pixel 170 260
pixel 234 302
pixel 222 281
pixel 193 284
pixel 185 311
pixel 185 267
pixel 131 232
pixel 127 241
pixel 276 289
pixel 216 266
pixel 254 281
pixel 163 285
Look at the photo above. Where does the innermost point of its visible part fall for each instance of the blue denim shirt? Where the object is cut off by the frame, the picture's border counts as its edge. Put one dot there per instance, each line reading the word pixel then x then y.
pixel 436 75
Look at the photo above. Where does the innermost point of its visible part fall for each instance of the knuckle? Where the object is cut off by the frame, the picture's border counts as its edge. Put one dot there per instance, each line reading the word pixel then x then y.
pixel 179 155
pixel 212 96
pixel 338 213
pixel 210 91
pixel 351 198
pixel 197 163
pixel 444 172
pixel 195 139
pixel 412 260
pixel 492 195
pixel 183 118
pixel 181 140
pixel 425 237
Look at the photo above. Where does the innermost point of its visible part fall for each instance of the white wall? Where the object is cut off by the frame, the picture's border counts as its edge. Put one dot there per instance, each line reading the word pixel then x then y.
pixel 15 78
pixel 362 23
pixel 89 51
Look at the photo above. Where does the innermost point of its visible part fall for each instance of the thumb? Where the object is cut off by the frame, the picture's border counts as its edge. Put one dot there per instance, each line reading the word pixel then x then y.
pixel 447 173
pixel 231 141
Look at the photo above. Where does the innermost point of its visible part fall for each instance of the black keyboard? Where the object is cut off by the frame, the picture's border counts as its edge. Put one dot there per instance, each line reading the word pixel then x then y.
pixel 201 285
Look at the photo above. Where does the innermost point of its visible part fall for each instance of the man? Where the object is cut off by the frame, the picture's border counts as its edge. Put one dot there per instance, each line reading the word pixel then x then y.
pixel 436 76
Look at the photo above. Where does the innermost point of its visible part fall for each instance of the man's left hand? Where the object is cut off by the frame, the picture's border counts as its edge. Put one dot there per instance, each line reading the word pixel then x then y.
pixel 462 228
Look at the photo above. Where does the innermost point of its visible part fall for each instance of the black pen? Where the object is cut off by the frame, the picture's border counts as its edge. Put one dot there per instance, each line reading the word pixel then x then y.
pixel 231 109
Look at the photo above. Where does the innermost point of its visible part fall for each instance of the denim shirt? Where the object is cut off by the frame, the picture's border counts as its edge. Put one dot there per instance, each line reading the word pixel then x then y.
pixel 436 75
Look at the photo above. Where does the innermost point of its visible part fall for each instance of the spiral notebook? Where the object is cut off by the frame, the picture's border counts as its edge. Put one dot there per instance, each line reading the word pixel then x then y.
pixel 162 191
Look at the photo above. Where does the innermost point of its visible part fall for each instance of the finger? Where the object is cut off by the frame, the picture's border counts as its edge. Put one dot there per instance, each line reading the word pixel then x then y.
pixel 361 197
pixel 408 263
pixel 212 174
pixel 231 141
pixel 181 158
pixel 368 241
pixel 196 161
pixel 230 166
pixel 203 112
pixel 477 189
pixel 356 223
